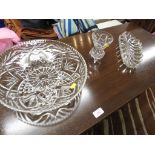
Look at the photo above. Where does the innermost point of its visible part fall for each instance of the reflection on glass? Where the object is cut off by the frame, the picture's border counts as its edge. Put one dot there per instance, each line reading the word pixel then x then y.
pixel 148 54
pixel 87 97
pixel 93 70
pixel 75 42
pixel 14 126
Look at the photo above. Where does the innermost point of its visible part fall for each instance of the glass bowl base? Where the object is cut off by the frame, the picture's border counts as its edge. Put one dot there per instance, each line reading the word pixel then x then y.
pixel 50 117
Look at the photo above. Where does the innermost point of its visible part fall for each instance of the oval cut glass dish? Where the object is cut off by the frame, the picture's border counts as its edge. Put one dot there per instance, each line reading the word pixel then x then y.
pixel 130 49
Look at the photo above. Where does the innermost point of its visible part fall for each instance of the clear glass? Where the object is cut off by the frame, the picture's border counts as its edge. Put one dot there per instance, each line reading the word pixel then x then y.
pixel 101 40
pixel 41 76
pixel 130 49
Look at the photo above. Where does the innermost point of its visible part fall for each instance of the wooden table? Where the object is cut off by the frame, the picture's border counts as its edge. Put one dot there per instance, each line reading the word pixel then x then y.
pixel 106 87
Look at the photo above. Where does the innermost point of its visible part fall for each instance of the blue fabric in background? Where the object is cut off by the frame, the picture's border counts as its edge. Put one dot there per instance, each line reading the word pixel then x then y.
pixel 65 28
pixel 2 23
pixel 69 27
pixel 87 25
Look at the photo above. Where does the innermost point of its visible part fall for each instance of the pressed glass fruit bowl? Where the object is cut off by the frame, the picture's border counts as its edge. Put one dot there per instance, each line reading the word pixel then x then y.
pixel 40 75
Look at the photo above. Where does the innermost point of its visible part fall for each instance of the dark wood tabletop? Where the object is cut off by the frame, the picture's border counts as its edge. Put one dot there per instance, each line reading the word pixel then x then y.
pixel 106 86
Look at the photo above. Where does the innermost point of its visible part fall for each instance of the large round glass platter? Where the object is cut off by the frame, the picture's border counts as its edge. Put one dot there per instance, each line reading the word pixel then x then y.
pixel 38 76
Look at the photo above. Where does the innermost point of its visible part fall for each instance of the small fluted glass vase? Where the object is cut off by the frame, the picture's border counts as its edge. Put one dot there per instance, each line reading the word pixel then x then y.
pixel 101 40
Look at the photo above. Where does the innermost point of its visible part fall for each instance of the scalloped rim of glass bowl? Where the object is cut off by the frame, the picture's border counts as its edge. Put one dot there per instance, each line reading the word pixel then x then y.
pixel 42 41
pixel 101 32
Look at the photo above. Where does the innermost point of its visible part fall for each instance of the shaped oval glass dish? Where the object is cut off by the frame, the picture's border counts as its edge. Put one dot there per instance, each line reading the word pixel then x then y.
pixel 130 49
pixel 41 77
